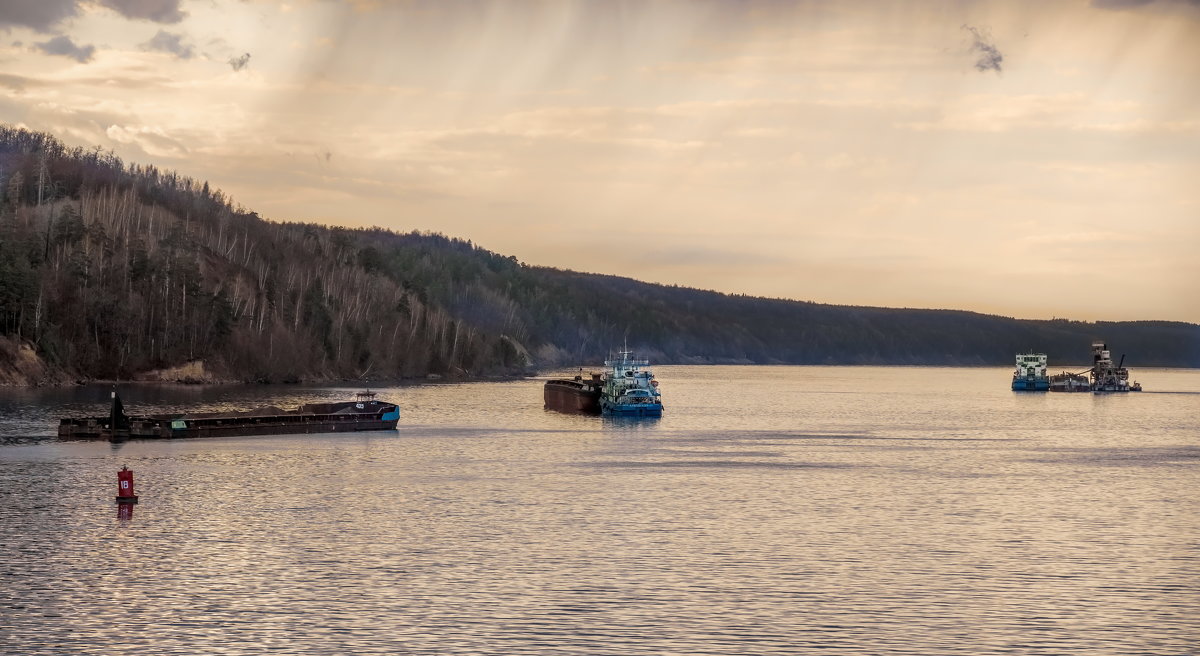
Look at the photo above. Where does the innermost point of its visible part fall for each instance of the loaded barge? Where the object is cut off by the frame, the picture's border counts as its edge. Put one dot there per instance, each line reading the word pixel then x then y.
pixel 365 413
pixel 626 389
pixel 574 395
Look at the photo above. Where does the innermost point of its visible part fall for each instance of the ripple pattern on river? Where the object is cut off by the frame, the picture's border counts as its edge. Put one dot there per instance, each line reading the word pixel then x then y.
pixel 712 531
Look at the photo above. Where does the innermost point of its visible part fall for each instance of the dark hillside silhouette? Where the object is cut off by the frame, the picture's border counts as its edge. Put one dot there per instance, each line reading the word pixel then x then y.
pixel 109 270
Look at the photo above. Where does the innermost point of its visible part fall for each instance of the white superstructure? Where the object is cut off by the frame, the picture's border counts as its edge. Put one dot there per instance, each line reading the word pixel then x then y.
pixel 1030 365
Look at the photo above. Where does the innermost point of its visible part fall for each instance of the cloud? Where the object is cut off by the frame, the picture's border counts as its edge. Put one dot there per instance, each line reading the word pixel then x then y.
pixel 717 256
pixel 990 57
pixel 45 15
pixel 1092 237
pixel 239 63
pixel 19 82
pixel 151 139
pixel 158 11
pixel 1063 112
pixel 164 41
pixel 1119 5
pixel 65 47
pixel 40 15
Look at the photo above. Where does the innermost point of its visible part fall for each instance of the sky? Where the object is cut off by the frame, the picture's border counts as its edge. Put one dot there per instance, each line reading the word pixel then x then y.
pixel 1026 159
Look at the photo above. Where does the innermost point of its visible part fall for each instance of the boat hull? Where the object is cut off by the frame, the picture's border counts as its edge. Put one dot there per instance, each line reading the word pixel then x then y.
pixel 574 396
pixel 1115 389
pixel 308 419
pixel 1030 384
pixel 284 427
pixel 632 409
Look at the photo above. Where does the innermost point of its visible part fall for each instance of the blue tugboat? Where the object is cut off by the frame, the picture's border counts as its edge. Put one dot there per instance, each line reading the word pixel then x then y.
pixel 1030 375
pixel 629 390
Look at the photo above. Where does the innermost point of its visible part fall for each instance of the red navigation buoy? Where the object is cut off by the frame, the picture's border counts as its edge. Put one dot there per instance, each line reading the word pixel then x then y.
pixel 125 486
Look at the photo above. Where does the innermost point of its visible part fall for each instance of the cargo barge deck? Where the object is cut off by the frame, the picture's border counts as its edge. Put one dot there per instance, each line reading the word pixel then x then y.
pixel 363 414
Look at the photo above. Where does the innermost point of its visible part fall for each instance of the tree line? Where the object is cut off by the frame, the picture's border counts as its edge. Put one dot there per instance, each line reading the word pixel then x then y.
pixel 109 269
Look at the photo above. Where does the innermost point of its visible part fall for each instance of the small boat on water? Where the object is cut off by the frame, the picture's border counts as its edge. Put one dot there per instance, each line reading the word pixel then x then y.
pixel 1106 377
pixel 1102 377
pixel 629 389
pixel 363 414
pixel 1030 374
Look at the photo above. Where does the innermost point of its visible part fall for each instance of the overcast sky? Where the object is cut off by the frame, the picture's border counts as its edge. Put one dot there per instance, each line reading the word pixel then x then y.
pixel 1029 159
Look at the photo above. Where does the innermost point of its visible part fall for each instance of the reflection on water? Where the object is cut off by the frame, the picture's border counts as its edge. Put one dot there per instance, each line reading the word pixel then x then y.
pixel 840 510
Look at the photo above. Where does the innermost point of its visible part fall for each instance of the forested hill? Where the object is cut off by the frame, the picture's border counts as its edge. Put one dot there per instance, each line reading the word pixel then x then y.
pixel 111 270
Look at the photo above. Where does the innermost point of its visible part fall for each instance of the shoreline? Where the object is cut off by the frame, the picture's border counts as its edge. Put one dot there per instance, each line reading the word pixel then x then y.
pixel 65 381
pixel 401 382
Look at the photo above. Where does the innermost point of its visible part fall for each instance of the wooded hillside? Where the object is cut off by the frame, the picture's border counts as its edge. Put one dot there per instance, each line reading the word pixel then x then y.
pixel 109 270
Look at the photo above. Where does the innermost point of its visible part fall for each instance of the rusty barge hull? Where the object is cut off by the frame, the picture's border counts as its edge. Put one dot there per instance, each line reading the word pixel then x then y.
pixel 312 418
pixel 578 395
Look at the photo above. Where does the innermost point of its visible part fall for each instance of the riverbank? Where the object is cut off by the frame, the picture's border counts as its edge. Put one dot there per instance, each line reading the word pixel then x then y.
pixel 20 366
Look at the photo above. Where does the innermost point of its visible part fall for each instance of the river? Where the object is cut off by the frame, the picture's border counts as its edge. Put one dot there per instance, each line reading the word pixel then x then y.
pixel 772 510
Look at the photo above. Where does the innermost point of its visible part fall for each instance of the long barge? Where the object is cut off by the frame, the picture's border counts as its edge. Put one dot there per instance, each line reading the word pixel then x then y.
pixel 365 413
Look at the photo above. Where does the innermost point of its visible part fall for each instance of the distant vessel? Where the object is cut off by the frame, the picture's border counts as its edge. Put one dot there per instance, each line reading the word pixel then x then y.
pixel 577 394
pixel 1102 377
pixel 1030 374
pixel 364 413
pixel 1106 377
pixel 629 390
pixel 1069 382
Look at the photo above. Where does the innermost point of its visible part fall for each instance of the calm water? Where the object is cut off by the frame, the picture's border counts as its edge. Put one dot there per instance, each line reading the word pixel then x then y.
pixel 773 510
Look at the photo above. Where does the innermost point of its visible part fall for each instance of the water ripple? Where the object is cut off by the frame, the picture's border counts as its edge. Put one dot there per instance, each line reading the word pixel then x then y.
pixel 862 519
